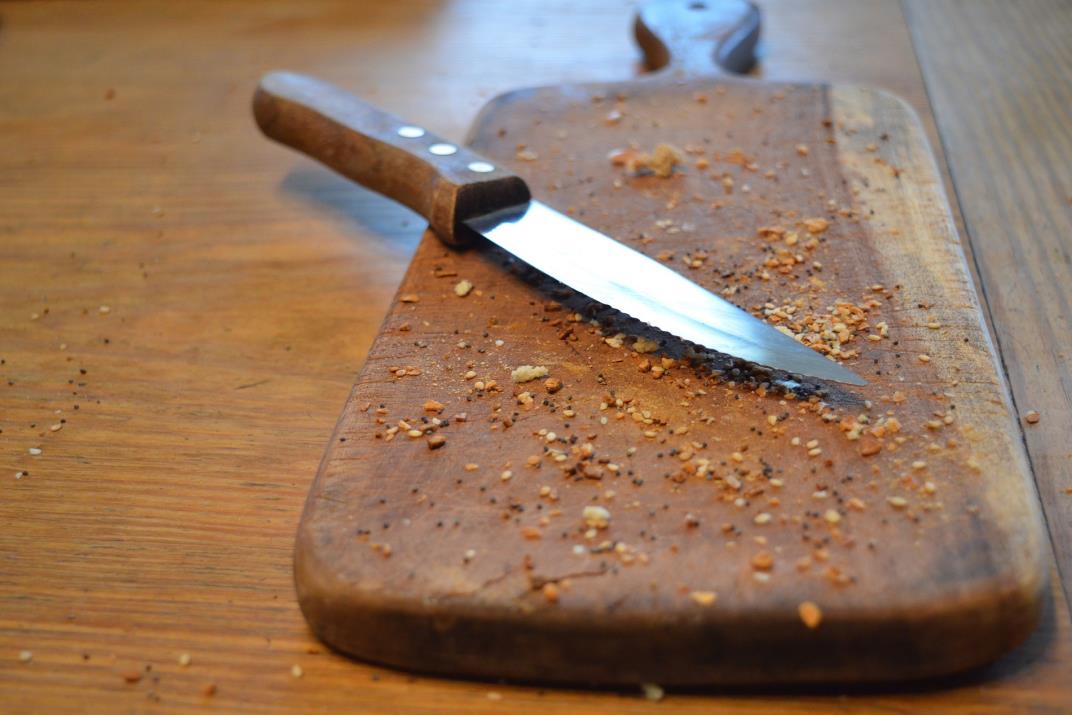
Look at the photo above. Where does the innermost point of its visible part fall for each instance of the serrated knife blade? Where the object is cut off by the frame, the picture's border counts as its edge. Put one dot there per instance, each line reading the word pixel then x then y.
pixel 453 187
pixel 627 280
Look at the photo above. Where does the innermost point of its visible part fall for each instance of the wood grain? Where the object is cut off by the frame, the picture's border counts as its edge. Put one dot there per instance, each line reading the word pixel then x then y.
pixel 463 587
pixel 161 520
pixel 1010 150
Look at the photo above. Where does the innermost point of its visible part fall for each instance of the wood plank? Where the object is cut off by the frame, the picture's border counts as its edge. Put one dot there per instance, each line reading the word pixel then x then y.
pixel 224 368
pixel 463 588
pixel 1002 100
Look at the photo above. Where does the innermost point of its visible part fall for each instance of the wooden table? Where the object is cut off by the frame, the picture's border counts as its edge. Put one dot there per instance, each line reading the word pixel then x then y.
pixel 183 307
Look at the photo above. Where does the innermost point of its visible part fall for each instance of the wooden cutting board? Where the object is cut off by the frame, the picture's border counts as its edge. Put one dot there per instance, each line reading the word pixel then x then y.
pixel 669 516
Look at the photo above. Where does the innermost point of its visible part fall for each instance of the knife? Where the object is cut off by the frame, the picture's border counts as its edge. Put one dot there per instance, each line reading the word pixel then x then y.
pixel 462 194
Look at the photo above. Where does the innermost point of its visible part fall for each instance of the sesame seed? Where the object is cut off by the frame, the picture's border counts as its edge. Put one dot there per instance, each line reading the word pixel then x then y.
pixel 296 671
pixel 25 656
pixel 185 659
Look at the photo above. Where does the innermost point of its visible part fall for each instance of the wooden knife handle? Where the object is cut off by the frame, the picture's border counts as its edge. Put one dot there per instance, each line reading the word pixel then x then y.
pixel 443 182
pixel 698 36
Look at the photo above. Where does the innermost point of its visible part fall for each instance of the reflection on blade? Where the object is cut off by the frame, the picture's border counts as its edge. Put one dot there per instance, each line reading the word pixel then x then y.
pixel 611 273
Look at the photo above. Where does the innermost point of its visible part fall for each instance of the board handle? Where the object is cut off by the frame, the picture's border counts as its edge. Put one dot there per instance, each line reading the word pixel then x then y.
pixel 442 181
pixel 694 37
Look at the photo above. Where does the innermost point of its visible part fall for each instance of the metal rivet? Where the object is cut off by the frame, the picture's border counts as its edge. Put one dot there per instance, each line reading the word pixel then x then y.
pixel 443 149
pixel 481 167
pixel 410 132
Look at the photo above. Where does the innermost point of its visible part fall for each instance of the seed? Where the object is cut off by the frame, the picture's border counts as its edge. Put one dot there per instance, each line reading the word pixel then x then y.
pixel 296 671
pixel 762 518
pixel 832 516
pixel 462 288
pixel 897 502
pixel 185 660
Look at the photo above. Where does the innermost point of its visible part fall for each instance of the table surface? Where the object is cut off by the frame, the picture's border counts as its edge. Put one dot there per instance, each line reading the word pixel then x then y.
pixel 183 307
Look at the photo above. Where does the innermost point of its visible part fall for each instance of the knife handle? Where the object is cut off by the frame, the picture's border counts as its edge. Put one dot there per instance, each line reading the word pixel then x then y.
pixel 443 182
pixel 698 37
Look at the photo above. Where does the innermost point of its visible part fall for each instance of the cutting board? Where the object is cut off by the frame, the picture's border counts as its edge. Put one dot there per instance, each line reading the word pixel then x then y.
pixel 649 513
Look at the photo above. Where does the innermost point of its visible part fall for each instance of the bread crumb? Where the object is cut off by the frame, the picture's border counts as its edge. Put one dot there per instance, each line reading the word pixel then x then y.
pixel 763 561
pixel 703 598
pixel 660 162
pixel 527 373
pixel 436 441
pixel 462 288
pixel 433 406
pixel 1032 417
pixel 810 614
pixel 653 692
pixel 645 345
pixel 409 298
pixel 596 517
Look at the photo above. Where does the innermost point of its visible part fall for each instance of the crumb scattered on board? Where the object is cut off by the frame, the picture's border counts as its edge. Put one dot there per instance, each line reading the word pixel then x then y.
pixel 796 498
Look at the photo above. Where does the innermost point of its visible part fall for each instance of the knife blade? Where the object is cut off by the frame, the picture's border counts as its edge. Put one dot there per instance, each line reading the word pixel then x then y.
pixel 459 191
